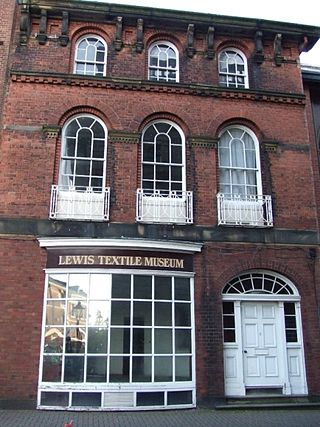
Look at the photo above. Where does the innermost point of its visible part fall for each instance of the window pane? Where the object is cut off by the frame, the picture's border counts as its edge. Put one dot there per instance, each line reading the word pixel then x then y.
pixel 142 287
pixel 176 154
pixel 75 340
pixel 163 314
pixel 141 369
pixel 52 368
pixel 100 286
pixel 142 340
pixel 69 147
pixel 162 368
pixel 162 149
pixel 96 369
pixel 182 314
pixel 182 289
pixel 55 312
pixel 183 341
pixel 163 289
pixel 83 167
pixel 162 173
pixel 121 286
pixel 97 340
pixel 120 313
pixel 78 286
pixel 163 341
pixel 119 369
pixel 73 369
pixel 120 340
pixel 176 173
pixel 142 313
pixel 148 152
pixel 53 340
pixel 99 313
pixel 84 143
pixel 147 172
pixel 150 134
pixel 183 368
pixel 98 149
pixel 57 286
pixel 97 168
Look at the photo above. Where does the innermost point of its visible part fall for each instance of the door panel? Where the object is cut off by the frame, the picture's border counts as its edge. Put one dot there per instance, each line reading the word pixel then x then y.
pixel 261 338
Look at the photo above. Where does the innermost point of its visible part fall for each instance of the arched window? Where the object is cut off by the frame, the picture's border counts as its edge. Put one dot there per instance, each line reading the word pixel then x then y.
pixel 91 56
pixel 239 162
pixel 83 154
pixel 81 193
pixel 240 199
pixel 233 71
pixel 162 197
pixel 163 62
pixel 163 152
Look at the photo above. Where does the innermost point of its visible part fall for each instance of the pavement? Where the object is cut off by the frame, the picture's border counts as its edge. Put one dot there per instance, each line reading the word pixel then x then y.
pixel 291 417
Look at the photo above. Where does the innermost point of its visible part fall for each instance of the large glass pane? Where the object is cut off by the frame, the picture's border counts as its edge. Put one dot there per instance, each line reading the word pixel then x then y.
pixel 163 341
pixel 55 312
pixel 84 143
pixel 98 148
pixel 83 167
pixel 182 341
pixel 148 171
pixel 148 152
pixel 121 286
pixel 141 369
pixel 73 369
pixel 120 313
pixel 150 134
pixel 76 313
pixel 142 341
pixel 119 369
pixel 96 369
pixel 176 154
pixel 163 313
pixel 57 284
pixel 53 340
pixel 162 149
pixel 162 173
pixel 163 368
pixel 176 173
pixel 142 287
pixel 72 128
pixel 69 147
pixel 142 313
pixel 97 340
pixel 52 368
pixel 119 340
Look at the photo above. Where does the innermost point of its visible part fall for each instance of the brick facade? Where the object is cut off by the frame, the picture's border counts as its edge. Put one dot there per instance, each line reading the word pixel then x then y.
pixel 44 93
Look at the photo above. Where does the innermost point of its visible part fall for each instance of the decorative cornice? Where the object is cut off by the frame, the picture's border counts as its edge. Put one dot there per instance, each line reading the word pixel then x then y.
pixel 123 137
pixel 202 142
pixel 149 86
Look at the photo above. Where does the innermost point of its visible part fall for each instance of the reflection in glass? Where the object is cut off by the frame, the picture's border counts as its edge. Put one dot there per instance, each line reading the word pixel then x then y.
pixel 55 312
pixel 53 340
pixel 99 313
pixel 57 284
pixel 100 286
pixel 96 369
pixel 163 368
pixel 78 286
pixel 75 340
pixel 76 313
pixel 52 367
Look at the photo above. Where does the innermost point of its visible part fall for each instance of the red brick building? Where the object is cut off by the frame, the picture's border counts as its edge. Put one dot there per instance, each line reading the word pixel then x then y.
pixel 159 218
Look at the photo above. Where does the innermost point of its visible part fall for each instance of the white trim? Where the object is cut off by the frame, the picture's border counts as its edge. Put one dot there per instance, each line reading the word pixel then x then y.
pixel 148 245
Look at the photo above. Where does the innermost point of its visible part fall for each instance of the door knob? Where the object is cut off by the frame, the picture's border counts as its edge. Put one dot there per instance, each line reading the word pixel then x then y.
pixel 245 351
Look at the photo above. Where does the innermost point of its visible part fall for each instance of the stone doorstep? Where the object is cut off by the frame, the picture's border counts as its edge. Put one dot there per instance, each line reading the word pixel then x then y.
pixel 269 403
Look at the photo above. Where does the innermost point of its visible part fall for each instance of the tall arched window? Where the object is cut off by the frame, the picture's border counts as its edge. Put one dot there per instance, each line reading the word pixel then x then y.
pixel 239 162
pixel 163 196
pixel 240 199
pixel 91 56
pixel 233 69
pixel 163 62
pixel 81 192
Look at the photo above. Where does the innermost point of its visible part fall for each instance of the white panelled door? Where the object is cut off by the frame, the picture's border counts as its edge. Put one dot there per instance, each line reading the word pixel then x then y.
pixel 262 344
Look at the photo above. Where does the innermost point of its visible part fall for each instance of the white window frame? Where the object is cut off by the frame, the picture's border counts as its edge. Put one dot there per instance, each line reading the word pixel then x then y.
pixel 85 61
pixel 159 68
pixel 122 395
pixel 233 76
pixel 231 168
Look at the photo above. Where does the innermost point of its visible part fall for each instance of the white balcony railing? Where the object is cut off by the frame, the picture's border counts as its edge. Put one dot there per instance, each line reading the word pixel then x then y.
pixel 175 207
pixel 87 204
pixel 254 211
